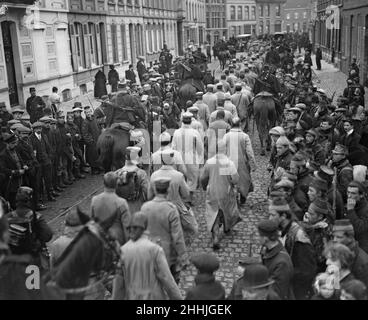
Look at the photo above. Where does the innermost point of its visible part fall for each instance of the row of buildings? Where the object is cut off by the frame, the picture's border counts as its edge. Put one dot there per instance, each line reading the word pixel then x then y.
pixel 340 28
pixel 63 43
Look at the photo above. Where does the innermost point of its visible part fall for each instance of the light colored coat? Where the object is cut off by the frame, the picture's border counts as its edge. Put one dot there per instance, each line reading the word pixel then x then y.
pixel 210 99
pixel 241 102
pixel 147 274
pixel 228 116
pixel 188 142
pixel 164 227
pixel 178 160
pixel 221 174
pixel 239 150
pixel 215 132
pixel 143 181
pixel 107 204
pixel 231 108
pixel 203 113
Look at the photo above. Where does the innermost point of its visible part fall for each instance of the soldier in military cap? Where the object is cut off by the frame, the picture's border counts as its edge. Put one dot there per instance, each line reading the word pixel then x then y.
pixel 12 167
pixel 276 259
pixel 206 287
pixel 157 282
pixel 5 116
pixel 91 132
pixel 299 247
pixel 34 241
pixel 76 136
pixel 164 225
pixel 65 151
pixel 31 176
pixel 286 186
pixel 132 180
pixel 313 148
pixel 343 167
pixel 203 110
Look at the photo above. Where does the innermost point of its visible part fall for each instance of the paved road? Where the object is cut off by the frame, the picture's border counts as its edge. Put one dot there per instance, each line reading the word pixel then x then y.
pixel 233 247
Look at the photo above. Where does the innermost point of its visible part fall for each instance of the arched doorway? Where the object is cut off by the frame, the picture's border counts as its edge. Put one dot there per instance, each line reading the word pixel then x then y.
pixel 9 43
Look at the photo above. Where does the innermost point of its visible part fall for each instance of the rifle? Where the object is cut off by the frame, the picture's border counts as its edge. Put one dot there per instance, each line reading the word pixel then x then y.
pixel 334 190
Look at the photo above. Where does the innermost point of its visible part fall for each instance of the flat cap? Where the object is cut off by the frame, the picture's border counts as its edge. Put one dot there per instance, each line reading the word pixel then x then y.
pixel 199 94
pixel 24 129
pixel 16 126
pixel 294 109
pixel 283 141
pixel 340 149
pixel 268 227
pixel 206 262
pixel 343 225
pixel 193 109
pixel 284 183
pixel 72 219
pixel 138 219
pixel 187 115
pixel 279 205
pixel 18 109
pixel 37 125
pixel 165 137
pixel 319 184
pixel 278 131
pixel 162 182
pixel 13 121
pixel 324 172
pixel 45 119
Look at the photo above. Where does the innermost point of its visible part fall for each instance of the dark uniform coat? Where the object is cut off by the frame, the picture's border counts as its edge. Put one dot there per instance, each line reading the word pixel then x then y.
pixel 359 219
pixel 281 270
pixel 206 288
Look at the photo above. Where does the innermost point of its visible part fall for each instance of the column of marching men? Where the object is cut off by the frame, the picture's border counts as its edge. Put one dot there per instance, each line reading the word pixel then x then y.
pixel 314 245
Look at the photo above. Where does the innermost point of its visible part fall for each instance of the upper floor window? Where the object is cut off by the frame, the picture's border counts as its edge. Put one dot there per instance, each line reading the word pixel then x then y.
pixel 278 10
pixel 240 13
pixel 260 8
pixel 267 10
pixel 246 16
pixel 232 13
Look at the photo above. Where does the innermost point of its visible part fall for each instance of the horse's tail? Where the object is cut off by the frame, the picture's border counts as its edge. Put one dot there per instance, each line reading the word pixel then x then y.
pixel 106 151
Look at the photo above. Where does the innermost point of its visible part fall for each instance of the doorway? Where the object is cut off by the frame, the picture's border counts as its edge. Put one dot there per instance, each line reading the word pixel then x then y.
pixel 9 61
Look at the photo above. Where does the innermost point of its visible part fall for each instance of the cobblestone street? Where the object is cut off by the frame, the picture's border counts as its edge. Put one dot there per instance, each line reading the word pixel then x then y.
pixel 244 239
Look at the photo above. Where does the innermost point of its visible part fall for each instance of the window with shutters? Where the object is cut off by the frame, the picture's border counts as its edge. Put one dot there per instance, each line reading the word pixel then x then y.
pixel 240 13
pixel 80 45
pixel 246 13
pixel 114 42
pixel 92 40
pixel 124 42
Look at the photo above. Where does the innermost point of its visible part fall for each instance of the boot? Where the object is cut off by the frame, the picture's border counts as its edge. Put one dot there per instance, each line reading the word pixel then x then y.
pixel 60 183
pixel 78 174
pixel 57 188
pixel 71 177
pixel 215 237
pixel 41 207
pixel 67 182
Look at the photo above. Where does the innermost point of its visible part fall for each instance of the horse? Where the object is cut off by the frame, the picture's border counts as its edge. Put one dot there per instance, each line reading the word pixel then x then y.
pixel 111 148
pixel 191 82
pixel 92 251
pixel 265 116
pixel 223 56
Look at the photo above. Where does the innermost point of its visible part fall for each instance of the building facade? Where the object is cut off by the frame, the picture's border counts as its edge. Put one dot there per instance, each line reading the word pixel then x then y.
pixel 194 23
pixel 241 17
pixel 34 49
pixel 326 35
pixel 63 43
pixel 355 31
pixel 270 16
pixel 216 26
pixel 298 14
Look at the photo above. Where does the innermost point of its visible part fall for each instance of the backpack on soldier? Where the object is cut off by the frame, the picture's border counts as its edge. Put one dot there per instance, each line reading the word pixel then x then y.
pixel 22 234
pixel 128 186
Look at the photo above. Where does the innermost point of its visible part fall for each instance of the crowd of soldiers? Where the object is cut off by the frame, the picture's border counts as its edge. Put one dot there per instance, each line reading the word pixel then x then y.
pixel 315 242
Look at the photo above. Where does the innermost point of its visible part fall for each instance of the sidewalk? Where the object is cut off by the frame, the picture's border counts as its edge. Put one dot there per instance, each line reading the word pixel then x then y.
pixel 332 79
